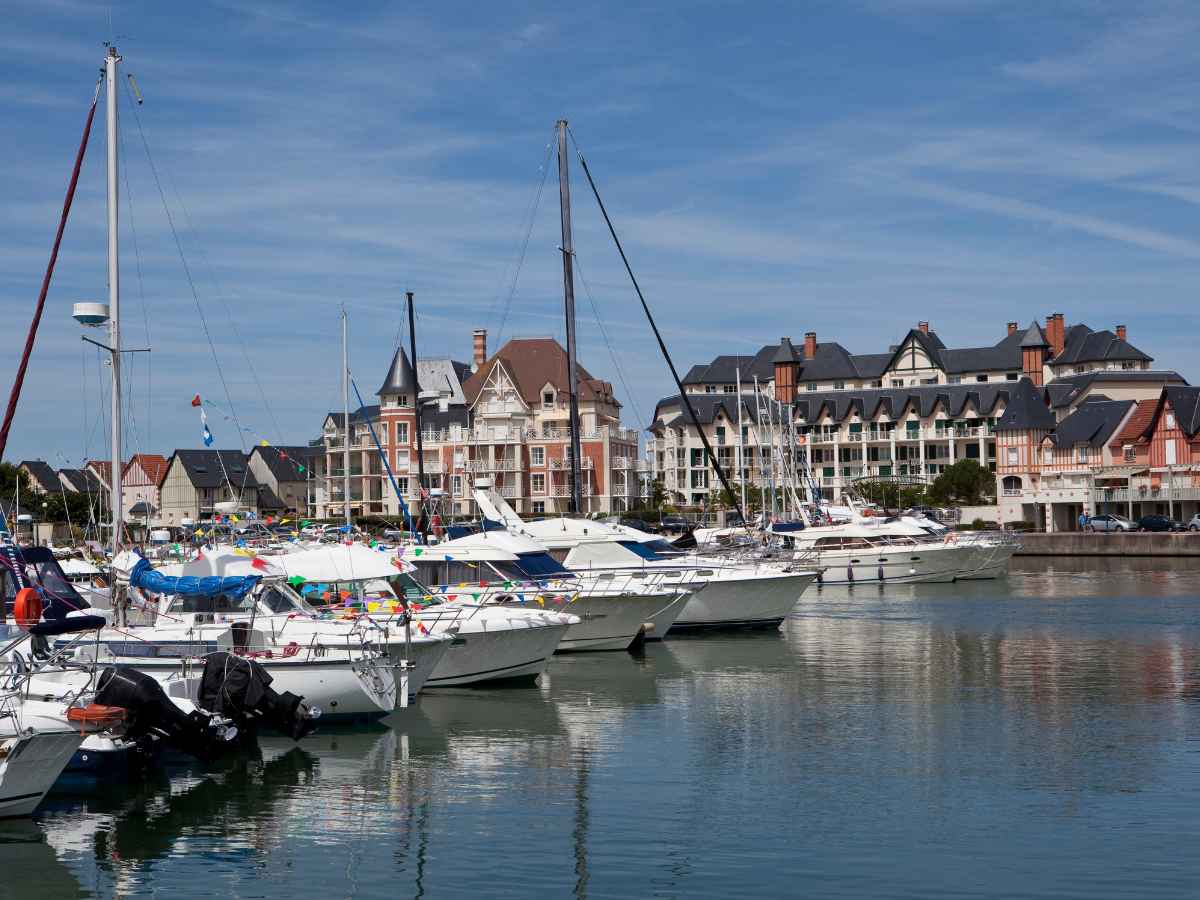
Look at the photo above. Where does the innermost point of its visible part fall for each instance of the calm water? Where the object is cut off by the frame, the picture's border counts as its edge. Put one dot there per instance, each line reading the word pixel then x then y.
pixel 1036 737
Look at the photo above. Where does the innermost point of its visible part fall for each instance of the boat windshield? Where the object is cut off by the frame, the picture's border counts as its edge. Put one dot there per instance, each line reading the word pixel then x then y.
pixel 282 600
pixel 221 603
pixel 662 547
pixel 539 564
pixel 645 551
pixel 59 591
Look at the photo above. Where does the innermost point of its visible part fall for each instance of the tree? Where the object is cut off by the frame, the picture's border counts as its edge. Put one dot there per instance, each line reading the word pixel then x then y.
pixel 966 483
pixel 63 507
pixel 9 476
pixel 884 493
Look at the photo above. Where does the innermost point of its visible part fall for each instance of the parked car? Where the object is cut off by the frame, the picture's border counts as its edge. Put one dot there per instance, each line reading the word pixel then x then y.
pixel 1158 523
pixel 1109 523
pixel 1194 523
pixel 676 524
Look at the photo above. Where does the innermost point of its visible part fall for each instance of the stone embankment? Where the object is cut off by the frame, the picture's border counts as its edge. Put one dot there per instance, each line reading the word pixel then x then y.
pixel 1074 543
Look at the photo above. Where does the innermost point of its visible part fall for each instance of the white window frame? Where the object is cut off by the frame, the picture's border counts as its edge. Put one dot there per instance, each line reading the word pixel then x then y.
pixel 537 456
pixel 534 479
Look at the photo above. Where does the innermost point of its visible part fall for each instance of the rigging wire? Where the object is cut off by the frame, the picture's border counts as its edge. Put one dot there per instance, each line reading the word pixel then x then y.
pixel 191 284
pixel 531 219
pixel 137 256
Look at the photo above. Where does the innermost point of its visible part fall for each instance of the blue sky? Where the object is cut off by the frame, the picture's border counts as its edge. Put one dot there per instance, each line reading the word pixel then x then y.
pixel 842 167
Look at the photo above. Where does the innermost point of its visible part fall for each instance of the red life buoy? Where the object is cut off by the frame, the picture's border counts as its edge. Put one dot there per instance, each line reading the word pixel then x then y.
pixel 27 607
pixel 95 717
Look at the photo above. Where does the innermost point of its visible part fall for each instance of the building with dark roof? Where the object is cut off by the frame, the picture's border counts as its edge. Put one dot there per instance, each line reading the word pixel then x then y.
pixel 197 480
pixel 290 473
pixel 40 476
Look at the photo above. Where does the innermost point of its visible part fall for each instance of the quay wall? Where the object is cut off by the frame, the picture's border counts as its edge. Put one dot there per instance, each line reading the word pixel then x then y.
pixel 1125 544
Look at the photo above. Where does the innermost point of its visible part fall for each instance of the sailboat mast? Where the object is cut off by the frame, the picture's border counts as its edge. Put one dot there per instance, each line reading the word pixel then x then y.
pixel 412 346
pixel 346 420
pixel 114 296
pixel 741 449
pixel 568 256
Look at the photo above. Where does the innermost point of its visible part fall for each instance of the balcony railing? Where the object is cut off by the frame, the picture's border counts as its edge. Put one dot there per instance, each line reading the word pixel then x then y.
pixel 563 489
pixel 510 491
pixel 561 462
pixel 499 465
pixel 622 462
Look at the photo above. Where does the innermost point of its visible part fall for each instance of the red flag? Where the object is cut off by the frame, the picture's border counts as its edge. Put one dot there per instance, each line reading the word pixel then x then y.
pixel 196 400
pixel 270 519
pixel 259 564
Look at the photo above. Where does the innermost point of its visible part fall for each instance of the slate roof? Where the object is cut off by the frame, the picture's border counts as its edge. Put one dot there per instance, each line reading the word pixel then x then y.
pixel 204 468
pixel 1065 390
pixel 707 407
pixel 400 378
pixel 268 499
pixel 444 375
pixel 724 369
pixel 786 352
pixel 282 462
pixel 532 363
pixel 82 481
pixel 1084 345
pixel 1026 410
pixel 362 414
pixel 1034 337
pixel 1185 401
pixel 102 468
pixel 41 474
pixel 1093 423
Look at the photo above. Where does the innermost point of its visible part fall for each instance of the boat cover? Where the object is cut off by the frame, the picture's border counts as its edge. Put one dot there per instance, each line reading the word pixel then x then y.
pixel 234 586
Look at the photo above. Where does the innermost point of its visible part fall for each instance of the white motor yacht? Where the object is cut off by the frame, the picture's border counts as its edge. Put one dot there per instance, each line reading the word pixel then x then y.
pixel 729 592
pixel 488 643
pixel 991 550
pixel 498 567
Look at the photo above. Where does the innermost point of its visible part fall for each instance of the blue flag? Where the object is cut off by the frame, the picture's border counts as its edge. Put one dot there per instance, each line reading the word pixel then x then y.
pixel 208 438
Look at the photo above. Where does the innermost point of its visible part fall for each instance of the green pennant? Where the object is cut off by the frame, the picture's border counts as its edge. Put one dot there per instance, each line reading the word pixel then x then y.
pixel 301 468
pixel 417 551
pixel 296 581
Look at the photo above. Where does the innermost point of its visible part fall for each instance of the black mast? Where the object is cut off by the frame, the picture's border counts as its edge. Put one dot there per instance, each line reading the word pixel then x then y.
pixel 564 200
pixel 412 348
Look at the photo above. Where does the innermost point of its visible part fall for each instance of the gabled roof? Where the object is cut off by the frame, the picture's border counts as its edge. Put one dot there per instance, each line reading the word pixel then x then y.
pixel 1084 345
pixel 443 375
pixel 1137 424
pixel 1034 337
pixel 40 473
pixel 1093 423
pixel 400 378
pixel 1026 410
pixel 102 468
pixel 1185 402
pixel 532 363
pixel 152 464
pixel 208 468
pixel 81 481
pixel 284 462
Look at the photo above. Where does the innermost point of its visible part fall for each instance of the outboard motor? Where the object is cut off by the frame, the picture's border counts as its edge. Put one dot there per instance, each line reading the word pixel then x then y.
pixel 240 689
pixel 153 715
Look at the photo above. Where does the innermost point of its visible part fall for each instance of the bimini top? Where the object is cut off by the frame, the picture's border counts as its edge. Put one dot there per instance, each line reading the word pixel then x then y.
pixel 489 546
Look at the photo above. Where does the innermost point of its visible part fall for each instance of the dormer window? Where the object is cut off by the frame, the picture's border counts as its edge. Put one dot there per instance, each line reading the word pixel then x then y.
pixel 547 399
pixel 402 400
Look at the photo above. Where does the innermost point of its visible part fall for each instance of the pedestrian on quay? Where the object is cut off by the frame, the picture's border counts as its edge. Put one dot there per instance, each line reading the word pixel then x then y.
pixel 1083 520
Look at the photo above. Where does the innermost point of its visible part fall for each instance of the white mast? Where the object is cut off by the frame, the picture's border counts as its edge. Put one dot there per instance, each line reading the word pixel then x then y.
pixel 741 451
pixel 346 422
pixel 114 297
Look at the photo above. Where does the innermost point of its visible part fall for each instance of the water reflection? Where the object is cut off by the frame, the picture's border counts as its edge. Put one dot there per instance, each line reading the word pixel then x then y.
pixel 1005 735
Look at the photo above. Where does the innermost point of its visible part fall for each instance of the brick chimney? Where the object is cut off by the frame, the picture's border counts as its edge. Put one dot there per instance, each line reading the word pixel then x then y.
pixel 1012 327
pixel 924 327
pixel 1121 332
pixel 810 345
pixel 479 348
pixel 1056 333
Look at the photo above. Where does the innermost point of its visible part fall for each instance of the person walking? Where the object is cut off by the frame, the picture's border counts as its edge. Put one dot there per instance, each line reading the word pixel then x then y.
pixel 1083 520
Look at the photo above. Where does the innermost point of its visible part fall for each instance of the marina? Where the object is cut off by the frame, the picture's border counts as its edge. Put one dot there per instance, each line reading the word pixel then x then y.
pixel 404 490
pixel 876 737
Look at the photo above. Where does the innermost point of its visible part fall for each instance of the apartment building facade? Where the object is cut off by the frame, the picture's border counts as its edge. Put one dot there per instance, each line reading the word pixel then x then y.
pixel 905 414
pixel 504 417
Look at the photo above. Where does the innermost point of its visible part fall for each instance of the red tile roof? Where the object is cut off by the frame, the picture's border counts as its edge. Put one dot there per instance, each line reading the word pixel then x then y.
pixel 152 464
pixel 533 363
pixel 1136 424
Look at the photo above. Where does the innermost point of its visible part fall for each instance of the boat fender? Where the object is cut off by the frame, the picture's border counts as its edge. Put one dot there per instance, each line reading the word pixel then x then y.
pixel 850 574
pixel 881 571
pixel 27 607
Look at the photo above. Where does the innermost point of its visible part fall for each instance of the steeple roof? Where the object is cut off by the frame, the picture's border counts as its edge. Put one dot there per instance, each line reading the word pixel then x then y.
pixel 1034 336
pixel 401 379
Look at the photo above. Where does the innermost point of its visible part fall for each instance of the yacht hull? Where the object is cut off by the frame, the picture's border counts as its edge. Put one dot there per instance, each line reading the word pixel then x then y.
pixel 665 619
pixel 611 621
pixel 747 602
pixel 424 655
pixel 477 657
pixel 30 766
pixel 991 561
pixel 900 565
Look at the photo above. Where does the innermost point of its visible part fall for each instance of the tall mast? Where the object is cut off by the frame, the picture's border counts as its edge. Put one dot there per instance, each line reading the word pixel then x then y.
pixel 741 450
pixel 568 251
pixel 346 413
pixel 412 346
pixel 114 296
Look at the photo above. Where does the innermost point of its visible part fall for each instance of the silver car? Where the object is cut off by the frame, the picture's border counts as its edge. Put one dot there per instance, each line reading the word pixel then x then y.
pixel 1194 523
pixel 1109 523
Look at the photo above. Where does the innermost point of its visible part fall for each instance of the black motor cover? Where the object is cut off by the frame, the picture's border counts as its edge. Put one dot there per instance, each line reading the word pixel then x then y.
pixel 240 689
pixel 151 712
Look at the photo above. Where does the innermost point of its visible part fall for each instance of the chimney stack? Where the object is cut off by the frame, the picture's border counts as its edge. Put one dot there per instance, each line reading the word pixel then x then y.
pixel 810 345
pixel 1012 327
pixel 479 348
pixel 1055 333
pixel 1121 332
pixel 924 327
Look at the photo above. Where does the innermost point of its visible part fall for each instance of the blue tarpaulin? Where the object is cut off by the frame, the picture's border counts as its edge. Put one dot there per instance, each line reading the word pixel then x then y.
pixel 233 586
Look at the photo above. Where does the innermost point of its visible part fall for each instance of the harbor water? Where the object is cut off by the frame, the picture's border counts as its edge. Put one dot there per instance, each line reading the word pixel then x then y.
pixel 1035 737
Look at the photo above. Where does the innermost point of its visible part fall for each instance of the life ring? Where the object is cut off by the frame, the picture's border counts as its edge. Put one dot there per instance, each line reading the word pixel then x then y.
pixel 27 607
pixel 96 717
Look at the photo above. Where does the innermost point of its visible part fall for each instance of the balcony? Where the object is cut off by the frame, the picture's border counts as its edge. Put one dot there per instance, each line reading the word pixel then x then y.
pixel 499 465
pixel 510 491
pixel 623 462
pixel 563 489
pixel 564 464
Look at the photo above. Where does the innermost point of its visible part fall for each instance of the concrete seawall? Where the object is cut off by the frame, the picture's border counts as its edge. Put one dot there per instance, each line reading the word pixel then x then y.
pixel 1124 544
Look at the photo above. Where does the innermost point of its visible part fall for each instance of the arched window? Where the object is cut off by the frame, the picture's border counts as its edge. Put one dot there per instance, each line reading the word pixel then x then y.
pixel 1012 484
